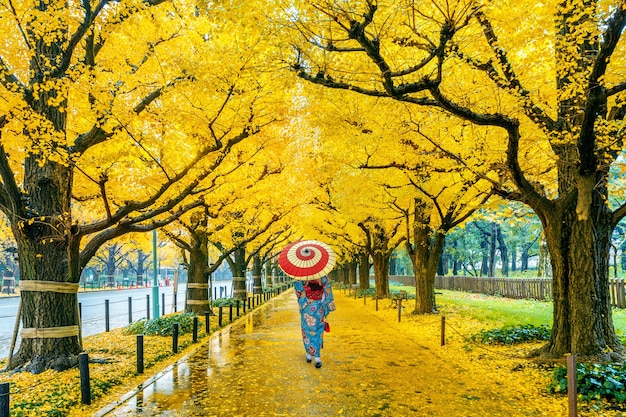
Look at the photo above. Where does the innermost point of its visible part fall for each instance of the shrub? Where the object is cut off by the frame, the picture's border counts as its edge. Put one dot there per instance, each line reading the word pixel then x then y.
pixel 594 381
pixel 512 334
pixel 225 302
pixel 163 326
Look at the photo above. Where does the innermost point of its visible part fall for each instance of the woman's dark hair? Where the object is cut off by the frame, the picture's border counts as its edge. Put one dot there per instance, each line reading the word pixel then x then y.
pixel 314 285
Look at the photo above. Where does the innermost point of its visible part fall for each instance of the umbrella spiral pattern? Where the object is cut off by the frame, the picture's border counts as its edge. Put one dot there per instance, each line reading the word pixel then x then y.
pixel 307 259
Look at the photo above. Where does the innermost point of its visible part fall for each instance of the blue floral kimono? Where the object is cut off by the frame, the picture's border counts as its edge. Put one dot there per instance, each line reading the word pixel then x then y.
pixel 315 298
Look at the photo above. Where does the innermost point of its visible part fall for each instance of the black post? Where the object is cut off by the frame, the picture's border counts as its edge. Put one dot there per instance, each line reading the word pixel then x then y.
pixel 214 293
pixel 237 307
pixel 130 310
pixel 248 303
pixel 244 306
pixel 4 399
pixel 195 330
pixel 140 354
pixel 443 330
pixel 207 322
pixel 83 367
pixel 80 312
pixel 106 315
pixel 163 304
pixel 148 306
pixel 220 317
pixel 376 303
pixel 175 339
pixel 175 309
pixel 230 313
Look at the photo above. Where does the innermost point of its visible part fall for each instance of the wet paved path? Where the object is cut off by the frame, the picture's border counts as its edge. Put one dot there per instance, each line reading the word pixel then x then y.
pixel 257 368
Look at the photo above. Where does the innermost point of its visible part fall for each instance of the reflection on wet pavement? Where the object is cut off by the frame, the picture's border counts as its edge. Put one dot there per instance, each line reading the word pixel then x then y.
pixel 371 368
pixel 237 364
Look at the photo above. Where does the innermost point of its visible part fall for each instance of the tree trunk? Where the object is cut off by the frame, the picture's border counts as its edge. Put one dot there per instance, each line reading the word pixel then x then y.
pixel 381 274
pixel 425 255
pixel 582 319
pixel 197 281
pixel 513 257
pixel 442 267
pixel 393 265
pixel 504 254
pixel 364 271
pixel 492 250
pixel 484 249
pixel 48 189
pixel 140 267
pixel 269 278
pixel 352 266
pixel 543 264
pixel 525 257
pixel 238 268
pixel 257 285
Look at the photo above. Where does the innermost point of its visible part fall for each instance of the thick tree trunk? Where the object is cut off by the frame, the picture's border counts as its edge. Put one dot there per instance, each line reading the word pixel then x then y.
pixel 256 275
pixel 381 274
pixel 269 278
pixel 198 283
pixel 352 267
pixel 364 271
pixel 582 319
pixel 46 253
pixel 426 252
pixel 238 269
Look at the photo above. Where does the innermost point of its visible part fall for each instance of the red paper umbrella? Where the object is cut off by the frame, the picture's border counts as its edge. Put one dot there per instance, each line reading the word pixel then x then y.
pixel 307 259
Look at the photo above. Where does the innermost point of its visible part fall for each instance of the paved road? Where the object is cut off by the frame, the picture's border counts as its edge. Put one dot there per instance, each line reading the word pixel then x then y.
pixel 257 368
pixel 93 309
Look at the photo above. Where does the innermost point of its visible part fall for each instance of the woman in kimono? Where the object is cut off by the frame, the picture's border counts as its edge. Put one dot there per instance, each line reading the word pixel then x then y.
pixel 315 298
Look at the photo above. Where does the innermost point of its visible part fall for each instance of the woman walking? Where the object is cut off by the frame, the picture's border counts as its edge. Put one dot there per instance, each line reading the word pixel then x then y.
pixel 308 262
pixel 315 298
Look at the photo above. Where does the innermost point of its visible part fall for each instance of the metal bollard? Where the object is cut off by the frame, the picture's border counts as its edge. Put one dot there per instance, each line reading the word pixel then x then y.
pixel 4 399
pixel 140 354
pixel 175 338
pixel 175 302
pixel 148 306
pixel 163 304
pixel 106 315
pixel 237 307
pixel 130 310
pixel 207 322
pixel 230 313
pixel 194 336
pixel 85 388
pixel 220 317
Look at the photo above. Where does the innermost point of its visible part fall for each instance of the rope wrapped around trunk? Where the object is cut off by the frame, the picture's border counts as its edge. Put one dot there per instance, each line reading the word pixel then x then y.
pixel 49 332
pixel 48 286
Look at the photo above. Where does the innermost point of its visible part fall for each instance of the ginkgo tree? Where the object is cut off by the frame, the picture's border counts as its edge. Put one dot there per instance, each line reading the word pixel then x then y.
pixel 546 79
pixel 113 116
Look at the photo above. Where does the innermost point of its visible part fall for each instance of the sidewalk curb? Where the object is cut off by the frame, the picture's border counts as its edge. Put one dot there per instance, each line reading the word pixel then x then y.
pixel 124 398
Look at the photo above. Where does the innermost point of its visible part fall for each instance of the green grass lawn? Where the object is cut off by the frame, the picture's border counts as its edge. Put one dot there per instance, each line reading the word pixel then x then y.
pixel 503 312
